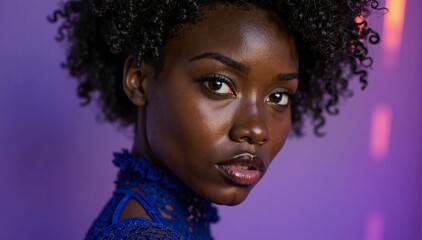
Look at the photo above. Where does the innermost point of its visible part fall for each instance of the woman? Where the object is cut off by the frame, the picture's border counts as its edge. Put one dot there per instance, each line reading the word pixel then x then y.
pixel 211 88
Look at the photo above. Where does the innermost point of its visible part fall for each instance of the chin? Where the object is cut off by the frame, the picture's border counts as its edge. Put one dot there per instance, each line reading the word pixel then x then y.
pixel 230 197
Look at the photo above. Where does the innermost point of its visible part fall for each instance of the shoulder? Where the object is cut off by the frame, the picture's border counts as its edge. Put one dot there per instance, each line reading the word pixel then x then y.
pixel 138 228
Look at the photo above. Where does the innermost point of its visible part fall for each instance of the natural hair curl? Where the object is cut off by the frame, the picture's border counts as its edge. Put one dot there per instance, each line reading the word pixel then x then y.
pixel 100 34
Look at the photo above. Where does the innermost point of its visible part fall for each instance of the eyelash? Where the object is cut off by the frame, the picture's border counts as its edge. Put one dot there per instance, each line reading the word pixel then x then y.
pixel 205 80
pixel 284 92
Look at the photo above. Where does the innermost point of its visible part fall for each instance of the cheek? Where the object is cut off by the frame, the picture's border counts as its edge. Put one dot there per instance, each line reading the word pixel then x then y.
pixel 161 126
pixel 279 133
pixel 182 123
pixel 199 127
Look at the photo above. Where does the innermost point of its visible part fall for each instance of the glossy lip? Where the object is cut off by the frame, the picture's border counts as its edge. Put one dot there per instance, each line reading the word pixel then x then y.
pixel 243 169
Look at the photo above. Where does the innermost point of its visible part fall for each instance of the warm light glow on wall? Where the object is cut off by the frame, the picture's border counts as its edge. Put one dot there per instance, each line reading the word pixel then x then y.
pixel 392 31
pixel 374 226
pixel 380 132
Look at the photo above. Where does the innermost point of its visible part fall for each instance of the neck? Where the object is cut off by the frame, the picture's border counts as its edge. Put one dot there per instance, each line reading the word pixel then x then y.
pixel 141 146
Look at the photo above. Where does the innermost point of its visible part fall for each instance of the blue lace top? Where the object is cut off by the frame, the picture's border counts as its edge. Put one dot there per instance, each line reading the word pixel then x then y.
pixel 176 212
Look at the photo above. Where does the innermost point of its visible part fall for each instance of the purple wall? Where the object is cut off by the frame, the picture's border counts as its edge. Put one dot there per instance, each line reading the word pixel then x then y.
pixel 56 172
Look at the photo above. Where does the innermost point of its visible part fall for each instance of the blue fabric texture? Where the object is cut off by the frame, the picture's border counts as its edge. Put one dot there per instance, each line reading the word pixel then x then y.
pixel 176 212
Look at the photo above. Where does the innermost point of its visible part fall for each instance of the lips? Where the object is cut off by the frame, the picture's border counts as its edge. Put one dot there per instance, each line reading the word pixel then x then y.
pixel 243 169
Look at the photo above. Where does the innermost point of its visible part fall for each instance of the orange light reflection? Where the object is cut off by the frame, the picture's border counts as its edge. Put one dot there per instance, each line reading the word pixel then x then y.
pixel 392 31
pixel 380 132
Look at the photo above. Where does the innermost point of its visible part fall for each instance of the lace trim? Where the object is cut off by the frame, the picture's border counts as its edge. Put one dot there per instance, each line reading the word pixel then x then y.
pixel 171 205
pixel 126 162
pixel 138 228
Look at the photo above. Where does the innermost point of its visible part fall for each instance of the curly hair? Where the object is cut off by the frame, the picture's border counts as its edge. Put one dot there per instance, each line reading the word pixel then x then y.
pixel 100 34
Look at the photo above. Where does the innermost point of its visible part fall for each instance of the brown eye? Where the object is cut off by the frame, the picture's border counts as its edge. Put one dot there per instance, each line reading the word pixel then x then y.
pixel 214 85
pixel 281 98
pixel 275 97
pixel 218 85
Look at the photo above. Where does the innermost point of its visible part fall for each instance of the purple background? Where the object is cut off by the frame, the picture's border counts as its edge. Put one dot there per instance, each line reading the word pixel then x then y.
pixel 56 172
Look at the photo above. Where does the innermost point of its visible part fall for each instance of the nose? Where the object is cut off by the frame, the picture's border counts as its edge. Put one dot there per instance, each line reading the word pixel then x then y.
pixel 249 126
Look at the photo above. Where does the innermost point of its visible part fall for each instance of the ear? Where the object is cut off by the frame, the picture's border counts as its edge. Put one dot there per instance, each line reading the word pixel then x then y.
pixel 136 80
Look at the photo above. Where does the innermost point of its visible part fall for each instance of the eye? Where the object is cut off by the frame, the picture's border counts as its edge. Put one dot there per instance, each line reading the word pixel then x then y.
pixel 280 97
pixel 218 84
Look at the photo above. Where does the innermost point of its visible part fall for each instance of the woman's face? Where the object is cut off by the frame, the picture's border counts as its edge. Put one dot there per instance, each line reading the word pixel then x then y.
pixel 219 112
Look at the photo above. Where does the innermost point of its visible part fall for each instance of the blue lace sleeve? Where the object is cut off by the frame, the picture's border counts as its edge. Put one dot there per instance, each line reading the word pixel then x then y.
pixel 138 228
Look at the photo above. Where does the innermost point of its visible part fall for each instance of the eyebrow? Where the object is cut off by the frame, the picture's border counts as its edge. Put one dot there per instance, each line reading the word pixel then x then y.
pixel 239 66
pixel 224 60
pixel 287 76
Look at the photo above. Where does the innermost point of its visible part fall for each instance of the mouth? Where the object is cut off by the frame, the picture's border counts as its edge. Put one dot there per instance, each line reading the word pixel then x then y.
pixel 244 169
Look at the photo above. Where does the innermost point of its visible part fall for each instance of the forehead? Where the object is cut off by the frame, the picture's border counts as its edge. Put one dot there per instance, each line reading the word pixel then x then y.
pixel 235 31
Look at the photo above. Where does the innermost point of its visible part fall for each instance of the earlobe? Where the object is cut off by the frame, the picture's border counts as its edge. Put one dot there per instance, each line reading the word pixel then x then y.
pixel 135 81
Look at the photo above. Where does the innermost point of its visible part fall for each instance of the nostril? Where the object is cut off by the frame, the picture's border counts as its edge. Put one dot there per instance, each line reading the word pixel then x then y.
pixel 252 139
pixel 245 139
pixel 262 142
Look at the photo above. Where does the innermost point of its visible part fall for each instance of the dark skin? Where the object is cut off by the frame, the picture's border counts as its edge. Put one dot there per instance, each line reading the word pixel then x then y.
pixel 224 90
